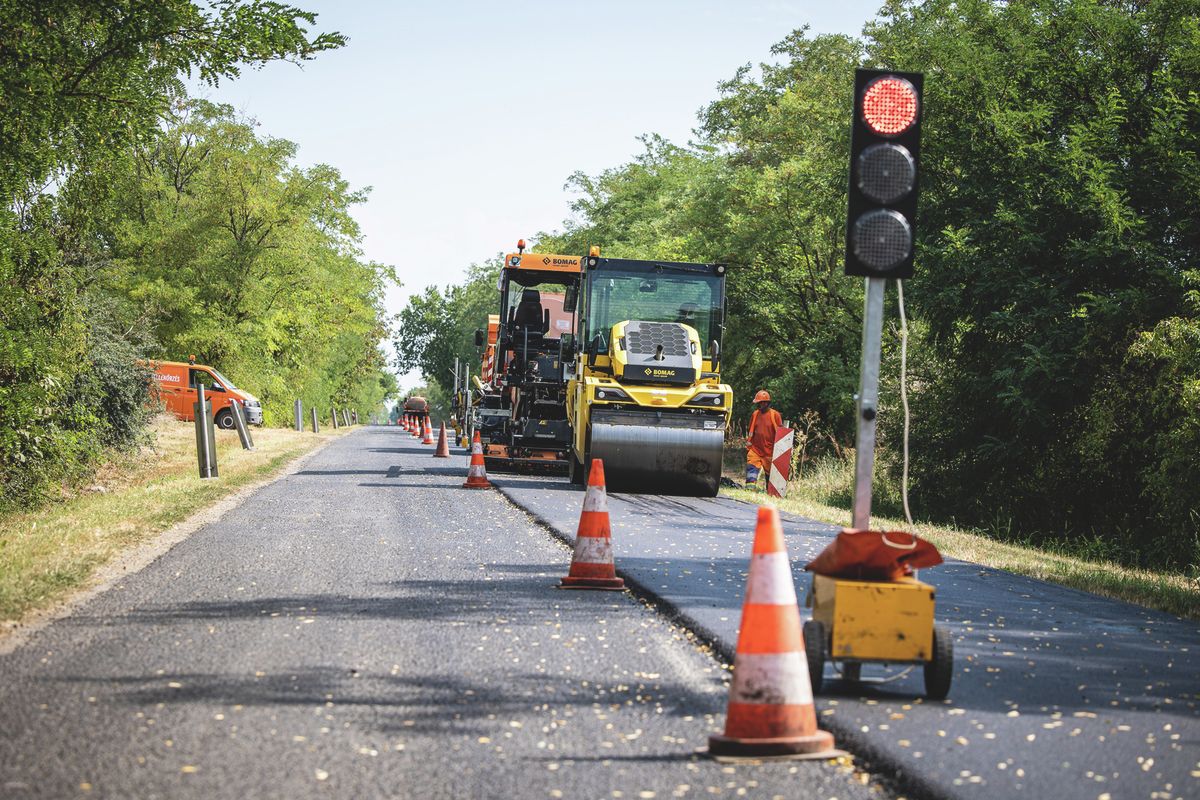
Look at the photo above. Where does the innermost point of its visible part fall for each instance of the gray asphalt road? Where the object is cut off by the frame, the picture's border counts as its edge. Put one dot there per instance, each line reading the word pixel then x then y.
pixel 1057 693
pixel 365 628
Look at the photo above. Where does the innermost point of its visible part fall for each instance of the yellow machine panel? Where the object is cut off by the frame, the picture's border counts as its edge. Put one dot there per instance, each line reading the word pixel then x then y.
pixel 876 620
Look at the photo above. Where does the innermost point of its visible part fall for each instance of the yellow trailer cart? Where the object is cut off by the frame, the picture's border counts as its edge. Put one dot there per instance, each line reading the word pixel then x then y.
pixel 856 622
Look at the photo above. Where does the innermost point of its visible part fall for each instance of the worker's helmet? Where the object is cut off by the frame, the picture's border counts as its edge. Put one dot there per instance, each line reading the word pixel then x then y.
pixel 762 395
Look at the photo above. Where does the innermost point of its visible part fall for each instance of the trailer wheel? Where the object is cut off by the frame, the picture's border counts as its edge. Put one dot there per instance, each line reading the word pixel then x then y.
pixel 814 649
pixel 225 420
pixel 939 670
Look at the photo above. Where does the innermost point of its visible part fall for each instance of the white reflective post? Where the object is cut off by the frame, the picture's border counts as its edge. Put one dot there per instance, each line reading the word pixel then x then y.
pixel 867 405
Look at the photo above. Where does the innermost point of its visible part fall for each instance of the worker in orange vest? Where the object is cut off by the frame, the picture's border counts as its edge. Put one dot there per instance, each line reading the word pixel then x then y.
pixel 760 438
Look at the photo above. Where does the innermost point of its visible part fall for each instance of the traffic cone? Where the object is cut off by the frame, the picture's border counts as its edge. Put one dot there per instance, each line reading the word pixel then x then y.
pixel 416 427
pixel 477 472
pixel 771 710
pixel 443 447
pixel 428 437
pixel 592 562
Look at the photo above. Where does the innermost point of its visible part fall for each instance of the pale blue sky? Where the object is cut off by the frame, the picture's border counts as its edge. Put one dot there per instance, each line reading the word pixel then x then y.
pixel 468 117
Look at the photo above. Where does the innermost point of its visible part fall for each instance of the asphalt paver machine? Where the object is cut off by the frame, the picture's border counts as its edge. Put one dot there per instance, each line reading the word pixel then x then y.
pixel 646 394
pixel 521 413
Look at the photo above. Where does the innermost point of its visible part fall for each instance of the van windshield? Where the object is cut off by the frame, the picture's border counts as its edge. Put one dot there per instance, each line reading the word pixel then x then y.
pixel 210 378
pixel 228 384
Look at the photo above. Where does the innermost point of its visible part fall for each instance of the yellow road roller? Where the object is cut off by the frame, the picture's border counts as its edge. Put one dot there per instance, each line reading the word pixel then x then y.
pixel 646 394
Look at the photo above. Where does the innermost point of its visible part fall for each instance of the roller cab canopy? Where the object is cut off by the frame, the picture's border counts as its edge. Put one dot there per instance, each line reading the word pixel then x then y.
pixel 623 289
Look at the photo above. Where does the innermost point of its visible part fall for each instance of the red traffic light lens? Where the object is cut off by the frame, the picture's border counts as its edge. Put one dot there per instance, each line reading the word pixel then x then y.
pixel 889 105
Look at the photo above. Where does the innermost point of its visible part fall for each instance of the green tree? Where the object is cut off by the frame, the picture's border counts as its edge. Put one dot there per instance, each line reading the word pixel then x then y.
pixel 439 325
pixel 81 83
pixel 222 248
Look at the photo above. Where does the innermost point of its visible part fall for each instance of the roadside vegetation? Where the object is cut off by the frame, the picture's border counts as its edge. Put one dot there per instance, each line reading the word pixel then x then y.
pixel 47 553
pixel 1054 358
pixel 136 222
pixel 1091 564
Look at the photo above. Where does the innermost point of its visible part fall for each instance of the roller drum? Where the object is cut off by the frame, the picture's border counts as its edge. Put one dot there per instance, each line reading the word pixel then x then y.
pixel 668 455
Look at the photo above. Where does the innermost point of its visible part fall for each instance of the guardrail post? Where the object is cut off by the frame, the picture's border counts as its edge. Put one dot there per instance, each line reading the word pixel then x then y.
pixel 239 420
pixel 315 427
pixel 206 438
pixel 299 416
pixel 333 416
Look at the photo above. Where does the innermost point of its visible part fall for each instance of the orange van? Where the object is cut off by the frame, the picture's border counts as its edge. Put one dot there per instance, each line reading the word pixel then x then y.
pixel 177 383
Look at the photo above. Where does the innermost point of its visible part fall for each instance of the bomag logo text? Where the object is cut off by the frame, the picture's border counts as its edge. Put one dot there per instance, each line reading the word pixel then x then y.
pixel 660 373
pixel 561 262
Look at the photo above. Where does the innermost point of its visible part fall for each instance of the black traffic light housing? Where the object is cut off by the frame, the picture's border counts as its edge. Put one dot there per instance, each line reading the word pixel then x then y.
pixel 885 158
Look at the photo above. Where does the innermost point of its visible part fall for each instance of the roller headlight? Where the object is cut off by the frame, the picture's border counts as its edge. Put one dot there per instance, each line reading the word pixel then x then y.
pixel 707 399
pixel 610 393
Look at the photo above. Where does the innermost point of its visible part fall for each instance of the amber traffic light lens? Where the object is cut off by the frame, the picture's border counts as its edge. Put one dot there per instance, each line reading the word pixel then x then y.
pixel 886 172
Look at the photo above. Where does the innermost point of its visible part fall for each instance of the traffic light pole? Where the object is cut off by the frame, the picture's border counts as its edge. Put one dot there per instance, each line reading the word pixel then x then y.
pixel 867 406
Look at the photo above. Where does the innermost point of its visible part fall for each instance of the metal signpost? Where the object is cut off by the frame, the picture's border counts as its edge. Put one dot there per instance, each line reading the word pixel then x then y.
pixel 867 403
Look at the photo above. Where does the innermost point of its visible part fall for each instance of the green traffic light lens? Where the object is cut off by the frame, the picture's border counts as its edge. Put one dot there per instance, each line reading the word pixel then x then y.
pixel 882 239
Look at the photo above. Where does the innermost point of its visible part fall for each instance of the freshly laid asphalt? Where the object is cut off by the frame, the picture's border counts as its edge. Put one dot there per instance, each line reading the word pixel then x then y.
pixel 366 628
pixel 1057 693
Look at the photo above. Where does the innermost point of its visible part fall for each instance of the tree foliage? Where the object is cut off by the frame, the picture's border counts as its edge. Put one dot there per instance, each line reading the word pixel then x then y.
pixel 135 223
pixel 439 325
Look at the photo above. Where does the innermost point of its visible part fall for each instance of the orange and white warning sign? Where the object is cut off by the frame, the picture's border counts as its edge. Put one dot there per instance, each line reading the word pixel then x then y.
pixel 781 462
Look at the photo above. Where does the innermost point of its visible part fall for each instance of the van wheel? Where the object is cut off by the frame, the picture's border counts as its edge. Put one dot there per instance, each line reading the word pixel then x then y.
pixel 225 420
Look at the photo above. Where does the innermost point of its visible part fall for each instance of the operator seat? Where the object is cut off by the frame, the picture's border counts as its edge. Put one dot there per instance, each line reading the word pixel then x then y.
pixel 528 315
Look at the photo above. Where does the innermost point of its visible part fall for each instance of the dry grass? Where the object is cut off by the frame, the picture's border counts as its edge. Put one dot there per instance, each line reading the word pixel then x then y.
pixel 1172 593
pixel 48 553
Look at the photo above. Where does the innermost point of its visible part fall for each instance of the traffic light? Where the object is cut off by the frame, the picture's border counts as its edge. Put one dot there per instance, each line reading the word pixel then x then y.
pixel 885 156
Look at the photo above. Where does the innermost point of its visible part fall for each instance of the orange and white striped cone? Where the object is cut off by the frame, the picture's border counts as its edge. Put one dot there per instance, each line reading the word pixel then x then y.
pixel 443 446
pixel 771 713
pixel 428 437
pixel 416 427
pixel 477 472
pixel 592 562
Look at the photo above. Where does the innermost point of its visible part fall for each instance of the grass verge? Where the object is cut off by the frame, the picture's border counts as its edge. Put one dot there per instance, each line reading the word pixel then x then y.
pixel 49 553
pixel 1173 593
